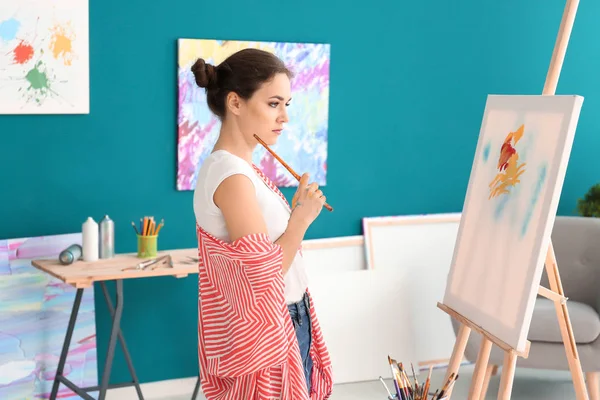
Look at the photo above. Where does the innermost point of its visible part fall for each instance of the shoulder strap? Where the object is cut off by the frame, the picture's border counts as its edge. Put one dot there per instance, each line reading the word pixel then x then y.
pixel 271 185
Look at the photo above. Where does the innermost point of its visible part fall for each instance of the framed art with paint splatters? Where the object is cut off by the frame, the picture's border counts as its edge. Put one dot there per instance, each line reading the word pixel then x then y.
pixel 510 207
pixel 44 57
pixel 303 143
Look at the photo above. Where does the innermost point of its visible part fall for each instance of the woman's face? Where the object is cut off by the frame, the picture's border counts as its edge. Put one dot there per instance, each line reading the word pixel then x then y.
pixel 265 114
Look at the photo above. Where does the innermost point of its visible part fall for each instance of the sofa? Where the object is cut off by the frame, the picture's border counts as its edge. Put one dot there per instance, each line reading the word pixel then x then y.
pixel 576 242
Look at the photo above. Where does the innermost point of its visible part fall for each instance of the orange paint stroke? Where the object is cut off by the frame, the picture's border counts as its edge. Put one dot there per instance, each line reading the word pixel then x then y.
pixel 508 165
pixel 61 43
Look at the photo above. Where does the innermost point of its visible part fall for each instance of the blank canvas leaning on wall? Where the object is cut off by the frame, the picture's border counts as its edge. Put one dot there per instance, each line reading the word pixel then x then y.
pixel 337 254
pixel 364 319
pixel 421 246
pixel 510 207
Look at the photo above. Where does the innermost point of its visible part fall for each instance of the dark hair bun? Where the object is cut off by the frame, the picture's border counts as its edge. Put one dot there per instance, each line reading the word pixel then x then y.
pixel 205 74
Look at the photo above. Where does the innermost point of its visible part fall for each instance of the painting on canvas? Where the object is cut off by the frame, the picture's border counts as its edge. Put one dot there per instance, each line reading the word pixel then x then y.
pixel 509 211
pixel 303 144
pixel 44 60
pixel 35 310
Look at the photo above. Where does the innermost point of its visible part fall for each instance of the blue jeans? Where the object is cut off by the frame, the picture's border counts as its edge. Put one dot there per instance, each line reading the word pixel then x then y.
pixel 299 312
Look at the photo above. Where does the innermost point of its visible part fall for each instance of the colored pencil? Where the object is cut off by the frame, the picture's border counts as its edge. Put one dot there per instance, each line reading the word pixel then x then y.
pixel 135 227
pixel 148 226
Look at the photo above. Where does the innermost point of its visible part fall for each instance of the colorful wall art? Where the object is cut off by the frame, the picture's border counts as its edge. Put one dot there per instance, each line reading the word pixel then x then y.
pixel 34 315
pixel 303 143
pixel 510 207
pixel 44 60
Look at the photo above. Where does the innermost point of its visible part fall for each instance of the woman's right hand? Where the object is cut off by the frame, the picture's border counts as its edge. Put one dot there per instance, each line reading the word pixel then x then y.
pixel 307 202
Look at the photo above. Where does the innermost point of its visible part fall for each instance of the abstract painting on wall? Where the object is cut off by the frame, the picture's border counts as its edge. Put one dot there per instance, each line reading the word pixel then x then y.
pixel 303 144
pixel 44 57
pixel 34 314
pixel 509 211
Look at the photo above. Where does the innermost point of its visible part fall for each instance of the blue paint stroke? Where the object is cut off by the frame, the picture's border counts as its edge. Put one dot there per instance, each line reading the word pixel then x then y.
pixel 486 152
pixel 8 29
pixel 526 145
pixel 534 199
pixel 501 206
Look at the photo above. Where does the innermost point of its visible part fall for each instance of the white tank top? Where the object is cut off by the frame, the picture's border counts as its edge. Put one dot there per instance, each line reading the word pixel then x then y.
pixel 222 164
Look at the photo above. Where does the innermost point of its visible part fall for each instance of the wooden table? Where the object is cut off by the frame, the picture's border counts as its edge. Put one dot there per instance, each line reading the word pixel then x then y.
pixel 82 275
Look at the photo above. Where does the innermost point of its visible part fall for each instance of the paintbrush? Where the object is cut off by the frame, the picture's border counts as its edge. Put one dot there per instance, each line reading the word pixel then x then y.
pixel 451 385
pixel 427 382
pixel 386 388
pixel 415 378
pixel 448 385
pixel 409 390
pixel 394 377
pixel 400 376
pixel 450 378
pixel 266 146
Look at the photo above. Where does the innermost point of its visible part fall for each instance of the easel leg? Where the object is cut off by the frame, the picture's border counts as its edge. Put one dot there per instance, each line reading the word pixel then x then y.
pixel 480 368
pixel 111 309
pixel 458 352
pixel 489 372
pixel 566 330
pixel 593 385
pixel 508 375
pixel 66 344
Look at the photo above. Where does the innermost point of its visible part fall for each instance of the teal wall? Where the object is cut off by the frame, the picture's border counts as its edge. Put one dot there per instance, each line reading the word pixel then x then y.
pixel 409 81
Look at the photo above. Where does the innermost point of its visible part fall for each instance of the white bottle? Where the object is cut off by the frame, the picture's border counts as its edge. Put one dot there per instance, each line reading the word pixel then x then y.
pixel 90 240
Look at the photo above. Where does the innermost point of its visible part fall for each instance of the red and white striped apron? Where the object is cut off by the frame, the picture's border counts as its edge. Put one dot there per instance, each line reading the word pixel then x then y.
pixel 247 347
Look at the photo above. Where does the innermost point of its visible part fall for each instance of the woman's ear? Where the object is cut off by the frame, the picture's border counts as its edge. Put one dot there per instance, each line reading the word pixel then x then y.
pixel 233 103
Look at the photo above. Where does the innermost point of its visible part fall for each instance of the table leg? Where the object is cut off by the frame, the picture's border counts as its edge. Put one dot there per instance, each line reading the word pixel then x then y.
pixel 196 389
pixel 116 322
pixel 115 333
pixel 66 344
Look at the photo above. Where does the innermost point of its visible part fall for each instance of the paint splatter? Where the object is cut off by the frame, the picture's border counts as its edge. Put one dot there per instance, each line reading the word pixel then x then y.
pixel 508 165
pixel 9 29
pixel 486 152
pixel 22 53
pixel 61 43
pixel 534 198
pixel 39 83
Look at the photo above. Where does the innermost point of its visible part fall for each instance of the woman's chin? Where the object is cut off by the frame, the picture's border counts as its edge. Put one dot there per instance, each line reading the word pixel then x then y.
pixel 270 139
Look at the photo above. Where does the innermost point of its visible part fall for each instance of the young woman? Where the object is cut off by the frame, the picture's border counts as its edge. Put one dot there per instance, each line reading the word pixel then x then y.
pixel 259 337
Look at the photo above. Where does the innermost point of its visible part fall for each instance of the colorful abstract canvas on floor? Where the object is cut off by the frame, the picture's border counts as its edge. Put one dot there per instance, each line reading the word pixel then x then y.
pixel 510 207
pixel 303 144
pixel 34 314
pixel 44 57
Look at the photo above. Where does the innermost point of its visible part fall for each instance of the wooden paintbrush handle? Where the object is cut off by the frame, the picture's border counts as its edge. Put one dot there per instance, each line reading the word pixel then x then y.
pixel 327 206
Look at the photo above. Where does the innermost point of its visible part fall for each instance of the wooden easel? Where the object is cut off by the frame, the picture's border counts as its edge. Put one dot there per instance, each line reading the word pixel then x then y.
pixel 555 293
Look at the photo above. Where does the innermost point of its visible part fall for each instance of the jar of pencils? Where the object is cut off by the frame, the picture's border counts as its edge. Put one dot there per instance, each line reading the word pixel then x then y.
pixel 147 246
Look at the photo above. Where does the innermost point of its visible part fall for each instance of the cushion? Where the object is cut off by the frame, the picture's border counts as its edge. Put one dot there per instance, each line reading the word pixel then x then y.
pixel 544 324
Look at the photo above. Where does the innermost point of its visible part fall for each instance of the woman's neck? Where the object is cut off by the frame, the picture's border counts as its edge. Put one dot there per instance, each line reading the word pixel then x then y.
pixel 232 140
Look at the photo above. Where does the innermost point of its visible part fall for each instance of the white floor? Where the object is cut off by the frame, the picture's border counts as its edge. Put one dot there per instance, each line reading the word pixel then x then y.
pixel 528 385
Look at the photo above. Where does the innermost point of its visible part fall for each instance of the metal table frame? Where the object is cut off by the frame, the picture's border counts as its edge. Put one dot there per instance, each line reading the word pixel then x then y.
pixel 114 334
pixel 196 389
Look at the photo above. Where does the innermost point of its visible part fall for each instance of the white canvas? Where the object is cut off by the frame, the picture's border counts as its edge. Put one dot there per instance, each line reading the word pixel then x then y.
pixel 421 246
pixel 509 211
pixel 44 57
pixel 364 318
